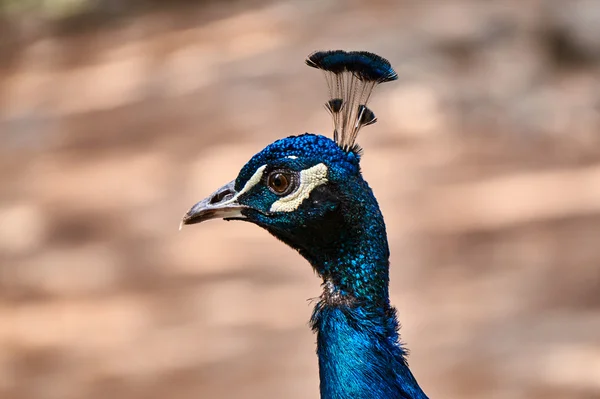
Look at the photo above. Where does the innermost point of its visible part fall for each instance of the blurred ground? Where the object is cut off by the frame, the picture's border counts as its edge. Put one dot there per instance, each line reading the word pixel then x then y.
pixel 486 162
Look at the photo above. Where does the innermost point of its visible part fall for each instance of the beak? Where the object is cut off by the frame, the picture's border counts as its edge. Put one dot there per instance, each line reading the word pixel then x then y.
pixel 222 204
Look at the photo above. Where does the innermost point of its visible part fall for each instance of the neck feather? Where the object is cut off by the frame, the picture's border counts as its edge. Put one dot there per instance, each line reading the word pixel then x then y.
pixel 359 353
pixel 349 248
pixel 357 329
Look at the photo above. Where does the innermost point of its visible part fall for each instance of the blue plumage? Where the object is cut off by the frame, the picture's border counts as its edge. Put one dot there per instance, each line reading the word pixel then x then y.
pixel 359 354
pixel 308 192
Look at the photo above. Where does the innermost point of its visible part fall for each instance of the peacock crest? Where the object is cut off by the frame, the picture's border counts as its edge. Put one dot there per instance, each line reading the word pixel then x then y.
pixel 351 77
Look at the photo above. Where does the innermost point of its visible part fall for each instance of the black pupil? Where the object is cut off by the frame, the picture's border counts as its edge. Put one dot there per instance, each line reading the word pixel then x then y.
pixel 279 182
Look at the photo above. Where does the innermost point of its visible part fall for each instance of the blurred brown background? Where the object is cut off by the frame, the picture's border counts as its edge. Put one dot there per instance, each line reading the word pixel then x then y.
pixel 116 116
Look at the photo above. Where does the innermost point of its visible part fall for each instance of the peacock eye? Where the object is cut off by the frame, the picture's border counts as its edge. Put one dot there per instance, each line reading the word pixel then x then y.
pixel 279 182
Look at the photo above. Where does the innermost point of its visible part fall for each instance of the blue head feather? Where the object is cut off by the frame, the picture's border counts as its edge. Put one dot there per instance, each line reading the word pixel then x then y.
pixel 301 152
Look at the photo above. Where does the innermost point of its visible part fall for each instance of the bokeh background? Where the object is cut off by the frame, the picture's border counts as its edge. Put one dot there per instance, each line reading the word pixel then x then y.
pixel 116 116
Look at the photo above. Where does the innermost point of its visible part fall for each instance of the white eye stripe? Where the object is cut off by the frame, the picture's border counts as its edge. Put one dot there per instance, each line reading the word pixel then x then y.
pixel 292 157
pixel 253 181
pixel 309 179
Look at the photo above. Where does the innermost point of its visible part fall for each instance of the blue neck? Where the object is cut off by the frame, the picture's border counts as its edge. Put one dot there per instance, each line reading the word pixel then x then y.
pixel 359 354
pixel 357 329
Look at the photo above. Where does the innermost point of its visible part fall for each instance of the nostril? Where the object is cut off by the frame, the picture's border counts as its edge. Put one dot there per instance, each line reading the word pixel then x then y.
pixel 221 196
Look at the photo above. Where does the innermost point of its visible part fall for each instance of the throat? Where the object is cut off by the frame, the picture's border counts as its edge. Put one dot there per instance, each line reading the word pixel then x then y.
pixel 356 265
pixel 359 353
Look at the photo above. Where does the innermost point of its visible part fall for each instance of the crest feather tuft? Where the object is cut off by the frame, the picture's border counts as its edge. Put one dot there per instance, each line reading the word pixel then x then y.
pixel 351 77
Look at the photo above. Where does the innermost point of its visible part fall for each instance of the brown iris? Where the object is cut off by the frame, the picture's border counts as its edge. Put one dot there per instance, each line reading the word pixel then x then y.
pixel 279 182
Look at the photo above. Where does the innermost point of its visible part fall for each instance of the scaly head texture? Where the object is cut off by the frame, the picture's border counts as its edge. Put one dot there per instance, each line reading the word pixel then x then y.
pixel 351 77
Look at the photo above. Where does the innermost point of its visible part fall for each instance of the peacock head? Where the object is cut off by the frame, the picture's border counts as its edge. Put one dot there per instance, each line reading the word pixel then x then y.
pixel 295 188
pixel 308 190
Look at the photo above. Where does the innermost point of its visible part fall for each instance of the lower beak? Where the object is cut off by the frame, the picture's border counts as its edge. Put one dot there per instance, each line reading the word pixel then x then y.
pixel 222 204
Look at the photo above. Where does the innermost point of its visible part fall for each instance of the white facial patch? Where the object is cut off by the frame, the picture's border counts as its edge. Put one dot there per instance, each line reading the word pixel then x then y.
pixel 292 157
pixel 309 179
pixel 253 181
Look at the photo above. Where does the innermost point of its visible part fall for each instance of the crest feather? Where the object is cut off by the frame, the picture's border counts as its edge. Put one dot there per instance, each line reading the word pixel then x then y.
pixel 351 77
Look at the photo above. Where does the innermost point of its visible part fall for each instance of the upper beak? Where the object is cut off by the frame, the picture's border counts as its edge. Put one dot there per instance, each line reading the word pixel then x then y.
pixel 221 204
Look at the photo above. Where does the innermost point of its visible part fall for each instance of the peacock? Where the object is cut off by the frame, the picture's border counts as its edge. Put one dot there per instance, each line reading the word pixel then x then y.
pixel 308 191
